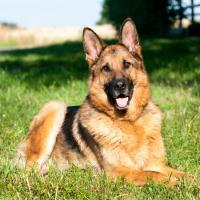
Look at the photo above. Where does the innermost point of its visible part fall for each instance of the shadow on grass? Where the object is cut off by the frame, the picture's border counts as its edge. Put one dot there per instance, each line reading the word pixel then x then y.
pixel 50 64
pixel 172 62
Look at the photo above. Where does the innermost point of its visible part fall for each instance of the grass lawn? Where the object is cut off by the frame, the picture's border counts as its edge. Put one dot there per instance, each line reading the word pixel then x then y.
pixel 8 44
pixel 29 78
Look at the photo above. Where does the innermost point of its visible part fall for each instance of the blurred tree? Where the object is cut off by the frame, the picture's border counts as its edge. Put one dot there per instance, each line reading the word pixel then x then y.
pixel 150 16
pixel 176 11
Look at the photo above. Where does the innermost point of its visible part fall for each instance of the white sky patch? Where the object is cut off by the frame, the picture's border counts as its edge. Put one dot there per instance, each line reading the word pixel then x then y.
pixel 50 13
pixel 196 9
pixel 57 13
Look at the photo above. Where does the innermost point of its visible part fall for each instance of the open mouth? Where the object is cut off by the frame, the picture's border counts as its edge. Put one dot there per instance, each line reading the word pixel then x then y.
pixel 122 101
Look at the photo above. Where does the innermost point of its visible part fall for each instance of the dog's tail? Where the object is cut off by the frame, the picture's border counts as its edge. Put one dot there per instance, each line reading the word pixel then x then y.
pixel 41 139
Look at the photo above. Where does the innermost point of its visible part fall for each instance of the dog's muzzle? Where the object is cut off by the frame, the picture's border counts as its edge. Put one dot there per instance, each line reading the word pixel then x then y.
pixel 119 92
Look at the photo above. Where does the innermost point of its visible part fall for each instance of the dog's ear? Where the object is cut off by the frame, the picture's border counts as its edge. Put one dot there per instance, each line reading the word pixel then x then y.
pixel 92 44
pixel 129 36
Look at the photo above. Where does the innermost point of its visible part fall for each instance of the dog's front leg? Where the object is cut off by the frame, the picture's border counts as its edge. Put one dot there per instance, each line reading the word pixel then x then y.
pixel 141 178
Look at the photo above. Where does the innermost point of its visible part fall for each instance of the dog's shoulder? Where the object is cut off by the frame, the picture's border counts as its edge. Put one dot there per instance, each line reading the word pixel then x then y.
pixel 150 119
pixel 152 110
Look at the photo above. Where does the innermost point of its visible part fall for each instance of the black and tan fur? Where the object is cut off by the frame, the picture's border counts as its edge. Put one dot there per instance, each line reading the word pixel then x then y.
pixel 123 142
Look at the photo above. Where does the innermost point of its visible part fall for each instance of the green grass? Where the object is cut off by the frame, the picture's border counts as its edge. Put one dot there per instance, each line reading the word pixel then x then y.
pixel 29 78
pixel 8 44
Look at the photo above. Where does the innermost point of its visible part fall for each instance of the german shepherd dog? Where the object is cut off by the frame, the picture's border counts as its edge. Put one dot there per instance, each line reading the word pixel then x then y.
pixel 116 129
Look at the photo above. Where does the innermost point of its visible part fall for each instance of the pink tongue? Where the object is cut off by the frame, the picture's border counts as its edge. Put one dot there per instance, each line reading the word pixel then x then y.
pixel 122 102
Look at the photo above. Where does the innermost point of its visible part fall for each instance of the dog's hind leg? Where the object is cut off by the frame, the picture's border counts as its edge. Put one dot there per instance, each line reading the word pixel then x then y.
pixel 41 139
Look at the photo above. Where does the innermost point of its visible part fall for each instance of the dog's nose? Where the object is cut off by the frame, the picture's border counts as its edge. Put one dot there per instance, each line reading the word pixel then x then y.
pixel 120 85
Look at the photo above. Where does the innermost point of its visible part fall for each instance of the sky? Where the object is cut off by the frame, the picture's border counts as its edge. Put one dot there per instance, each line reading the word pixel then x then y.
pixel 27 13
pixel 56 13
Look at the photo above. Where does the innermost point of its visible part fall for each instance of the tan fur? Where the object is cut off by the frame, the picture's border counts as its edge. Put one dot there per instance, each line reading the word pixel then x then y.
pixel 42 135
pixel 126 144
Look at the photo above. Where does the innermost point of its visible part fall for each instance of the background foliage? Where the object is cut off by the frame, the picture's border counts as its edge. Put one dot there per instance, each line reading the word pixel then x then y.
pixel 150 16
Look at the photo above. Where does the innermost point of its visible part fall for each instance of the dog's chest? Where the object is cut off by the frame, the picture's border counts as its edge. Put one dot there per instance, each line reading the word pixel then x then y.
pixel 123 144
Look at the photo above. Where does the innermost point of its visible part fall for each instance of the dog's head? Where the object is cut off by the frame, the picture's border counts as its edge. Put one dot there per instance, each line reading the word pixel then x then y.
pixel 118 82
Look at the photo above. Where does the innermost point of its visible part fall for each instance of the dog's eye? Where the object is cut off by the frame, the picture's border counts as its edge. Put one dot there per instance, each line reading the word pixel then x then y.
pixel 106 68
pixel 126 64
